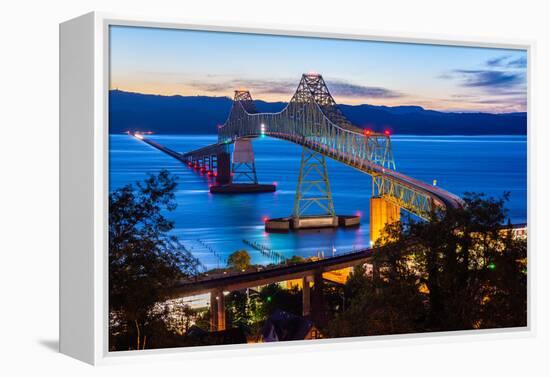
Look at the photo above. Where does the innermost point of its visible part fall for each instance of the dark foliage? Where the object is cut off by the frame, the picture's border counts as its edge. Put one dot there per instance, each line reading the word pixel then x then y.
pixel 459 271
pixel 273 297
pixel 144 261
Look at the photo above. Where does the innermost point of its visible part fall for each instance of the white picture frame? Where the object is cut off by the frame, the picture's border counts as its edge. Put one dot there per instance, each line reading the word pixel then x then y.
pixel 84 85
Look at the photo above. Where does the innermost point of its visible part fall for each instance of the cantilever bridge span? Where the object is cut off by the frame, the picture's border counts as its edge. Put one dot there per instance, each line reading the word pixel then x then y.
pixel 313 120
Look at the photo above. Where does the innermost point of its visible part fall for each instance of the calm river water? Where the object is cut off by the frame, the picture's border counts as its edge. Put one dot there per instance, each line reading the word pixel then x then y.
pixel 213 226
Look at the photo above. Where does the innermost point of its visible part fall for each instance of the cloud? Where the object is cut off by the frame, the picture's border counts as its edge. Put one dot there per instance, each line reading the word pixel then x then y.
pixel 500 84
pixel 499 101
pixel 520 62
pixel 507 62
pixel 288 87
pixel 462 96
pixel 489 78
pixel 255 86
pixel 496 62
pixel 345 89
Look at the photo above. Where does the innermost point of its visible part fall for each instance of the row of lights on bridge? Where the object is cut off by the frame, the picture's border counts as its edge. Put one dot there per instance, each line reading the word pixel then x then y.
pixel 368 132
pixel 202 169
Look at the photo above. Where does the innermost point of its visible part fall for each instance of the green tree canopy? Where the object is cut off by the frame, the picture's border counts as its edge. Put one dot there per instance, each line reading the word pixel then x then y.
pixel 239 260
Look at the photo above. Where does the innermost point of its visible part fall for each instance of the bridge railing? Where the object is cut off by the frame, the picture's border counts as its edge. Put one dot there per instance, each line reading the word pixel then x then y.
pixel 308 122
pixel 309 127
pixel 274 267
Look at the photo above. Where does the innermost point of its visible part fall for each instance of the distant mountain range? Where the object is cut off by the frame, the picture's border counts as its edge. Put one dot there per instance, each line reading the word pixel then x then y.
pixel 201 114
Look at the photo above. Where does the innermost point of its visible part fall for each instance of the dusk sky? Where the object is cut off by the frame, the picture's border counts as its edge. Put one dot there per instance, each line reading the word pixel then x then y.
pixel 168 62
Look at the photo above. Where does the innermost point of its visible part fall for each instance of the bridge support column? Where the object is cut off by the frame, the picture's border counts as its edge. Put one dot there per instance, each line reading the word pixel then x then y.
pixel 382 213
pixel 317 302
pixel 244 166
pixel 223 168
pixel 313 206
pixel 217 310
pixel 213 311
pixel 306 296
pixel 221 311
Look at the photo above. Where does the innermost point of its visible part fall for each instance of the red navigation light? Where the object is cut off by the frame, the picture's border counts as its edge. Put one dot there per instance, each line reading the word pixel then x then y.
pixel 274 183
pixel 358 213
pixel 367 132
pixel 209 173
pixel 387 132
pixel 264 219
pixel 215 174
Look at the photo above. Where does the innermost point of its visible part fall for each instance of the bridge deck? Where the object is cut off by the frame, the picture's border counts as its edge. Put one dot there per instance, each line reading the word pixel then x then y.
pixel 162 148
pixel 444 198
pixel 266 276
pixel 447 199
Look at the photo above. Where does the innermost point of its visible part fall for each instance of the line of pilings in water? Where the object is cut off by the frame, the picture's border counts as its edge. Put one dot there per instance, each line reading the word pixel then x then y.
pixel 275 256
pixel 221 261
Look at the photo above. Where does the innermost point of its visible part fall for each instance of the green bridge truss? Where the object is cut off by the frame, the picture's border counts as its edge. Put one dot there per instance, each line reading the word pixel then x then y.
pixel 312 119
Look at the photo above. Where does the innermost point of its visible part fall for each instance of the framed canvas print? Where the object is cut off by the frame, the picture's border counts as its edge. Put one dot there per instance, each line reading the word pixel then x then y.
pixel 227 187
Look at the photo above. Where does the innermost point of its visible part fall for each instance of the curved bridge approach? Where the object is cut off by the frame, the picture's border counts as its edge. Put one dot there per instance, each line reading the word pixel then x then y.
pixel 312 119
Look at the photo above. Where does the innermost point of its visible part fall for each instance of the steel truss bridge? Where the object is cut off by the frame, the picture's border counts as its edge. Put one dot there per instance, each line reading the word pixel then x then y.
pixel 313 120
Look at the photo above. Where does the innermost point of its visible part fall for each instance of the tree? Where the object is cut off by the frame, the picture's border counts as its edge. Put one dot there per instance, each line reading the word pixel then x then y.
pixel 460 270
pixel 295 259
pixel 238 311
pixel 456 253
pixel 144 260
pixel 177 316
pixel 239 260
pixel 273 297
pixel 378 306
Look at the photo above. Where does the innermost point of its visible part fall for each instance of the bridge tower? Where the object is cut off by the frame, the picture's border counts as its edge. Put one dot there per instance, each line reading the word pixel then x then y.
pixel 313 205
pixel 245 99
pixel 244 165
pixel 243 178
pixel 313 200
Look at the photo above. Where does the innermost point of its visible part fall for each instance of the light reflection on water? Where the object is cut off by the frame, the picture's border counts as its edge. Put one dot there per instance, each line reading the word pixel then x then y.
pixel 490 164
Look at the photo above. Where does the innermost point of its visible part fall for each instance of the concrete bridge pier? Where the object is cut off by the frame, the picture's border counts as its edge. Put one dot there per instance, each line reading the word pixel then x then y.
pixel 237 175
pixel 244 164
pixel 223 168
pixel 306 296
pixel 312 298
pixel 213 311
pixel 382 213
pixel 217 310
pixel 317 300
